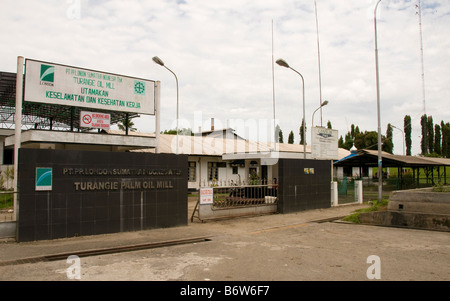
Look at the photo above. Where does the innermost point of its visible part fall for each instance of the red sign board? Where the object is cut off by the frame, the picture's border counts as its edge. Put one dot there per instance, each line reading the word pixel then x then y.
pixel 95 120
pixel 206 196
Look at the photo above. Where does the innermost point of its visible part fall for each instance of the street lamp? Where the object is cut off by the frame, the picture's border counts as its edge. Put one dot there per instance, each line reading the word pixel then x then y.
pixel 403 133
pixel 283 63
pixel 158 61
pixel 380 158
pixel 321 105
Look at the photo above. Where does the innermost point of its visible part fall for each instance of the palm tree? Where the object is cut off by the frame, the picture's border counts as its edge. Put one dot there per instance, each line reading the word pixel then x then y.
pixel 123 125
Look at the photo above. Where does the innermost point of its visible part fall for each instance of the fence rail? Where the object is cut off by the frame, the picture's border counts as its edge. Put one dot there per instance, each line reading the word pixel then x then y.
pixel 399 183
pixel 244 195
pixel 234 200
pixel 233 183
pixel 370 185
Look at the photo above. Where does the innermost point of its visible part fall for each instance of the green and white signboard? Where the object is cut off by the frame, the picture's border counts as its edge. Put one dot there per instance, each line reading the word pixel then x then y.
pixel 44 178
pixel 71 86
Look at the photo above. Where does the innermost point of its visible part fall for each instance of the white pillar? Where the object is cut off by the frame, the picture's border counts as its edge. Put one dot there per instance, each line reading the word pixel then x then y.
pixel 18 129
pixel 157 115
pixel 358 192
pixel 334 194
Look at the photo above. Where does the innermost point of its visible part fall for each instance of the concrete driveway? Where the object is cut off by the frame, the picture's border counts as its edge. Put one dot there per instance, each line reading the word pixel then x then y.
pixel 302 246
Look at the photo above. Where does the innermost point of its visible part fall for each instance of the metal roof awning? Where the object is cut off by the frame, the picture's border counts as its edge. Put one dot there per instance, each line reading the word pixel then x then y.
pixel 369 158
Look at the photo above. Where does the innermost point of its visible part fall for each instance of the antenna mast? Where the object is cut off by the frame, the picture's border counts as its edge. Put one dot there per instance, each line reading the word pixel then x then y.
pixel 421 55
pixel 318 55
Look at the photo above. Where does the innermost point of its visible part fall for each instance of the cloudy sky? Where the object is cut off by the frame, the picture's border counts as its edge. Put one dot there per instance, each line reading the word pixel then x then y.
pixel 223 51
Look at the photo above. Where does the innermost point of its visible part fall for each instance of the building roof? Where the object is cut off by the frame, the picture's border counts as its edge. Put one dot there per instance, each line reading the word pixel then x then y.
pixel 222 133
pixel 369 158
pixel 203 146
pixel 208 146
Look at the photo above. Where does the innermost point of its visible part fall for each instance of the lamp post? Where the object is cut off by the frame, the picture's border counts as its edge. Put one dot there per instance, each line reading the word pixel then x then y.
pixel 321 105
pixel 158 61
pixel 403 133
pixel 318 56
pixel 283 63
pixel 380 160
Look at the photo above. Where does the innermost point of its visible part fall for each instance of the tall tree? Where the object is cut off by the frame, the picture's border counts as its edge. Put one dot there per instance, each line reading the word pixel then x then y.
pixel 388 145
pixel 348 143
pixel 437 139
pixel 430 133
pixel 279 133
pixel 407 130
pixel 291 138
pixel 366 140
pixel 341 142
pixel 303 135
pixel 443 141
pixel 357 132
pixel 329 125
pixel 424 141
pixel 445 128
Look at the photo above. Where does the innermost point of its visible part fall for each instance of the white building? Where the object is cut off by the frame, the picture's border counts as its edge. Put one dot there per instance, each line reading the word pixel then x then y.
pixel 225 161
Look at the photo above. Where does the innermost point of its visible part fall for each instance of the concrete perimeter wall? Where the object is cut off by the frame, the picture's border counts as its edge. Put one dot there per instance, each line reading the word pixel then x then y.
pixel 99 192
pixel 422 200
pixel 415 208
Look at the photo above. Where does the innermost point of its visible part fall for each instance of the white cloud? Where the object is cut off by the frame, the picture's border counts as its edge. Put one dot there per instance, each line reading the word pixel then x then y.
pixel 221 52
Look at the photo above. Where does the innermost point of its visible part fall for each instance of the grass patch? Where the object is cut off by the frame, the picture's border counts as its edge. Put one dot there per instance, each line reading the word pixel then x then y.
pixel 441 188
pixel 376 206
pixel 6 200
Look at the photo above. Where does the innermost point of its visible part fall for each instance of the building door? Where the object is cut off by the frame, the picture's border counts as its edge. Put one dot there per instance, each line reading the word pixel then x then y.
pixel 264 173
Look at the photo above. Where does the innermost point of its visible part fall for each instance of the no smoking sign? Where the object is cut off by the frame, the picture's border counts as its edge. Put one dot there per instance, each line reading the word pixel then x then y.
pixel 95 120
pixel 87 119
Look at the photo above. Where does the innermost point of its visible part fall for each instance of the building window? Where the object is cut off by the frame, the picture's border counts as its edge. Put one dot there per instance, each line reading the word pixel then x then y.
pixel 213 171
pixel 235 170
pixel 191 171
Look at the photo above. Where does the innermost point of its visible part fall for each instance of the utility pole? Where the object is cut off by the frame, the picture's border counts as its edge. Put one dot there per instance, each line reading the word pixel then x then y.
pixel 380 157
pixel 421 55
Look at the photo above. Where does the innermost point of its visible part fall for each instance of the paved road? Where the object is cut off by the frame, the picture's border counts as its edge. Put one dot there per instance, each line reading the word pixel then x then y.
pixel 280 253
pixel 288 247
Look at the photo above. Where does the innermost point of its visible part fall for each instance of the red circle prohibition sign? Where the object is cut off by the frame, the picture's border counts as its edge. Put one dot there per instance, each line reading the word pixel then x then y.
pixel 87 119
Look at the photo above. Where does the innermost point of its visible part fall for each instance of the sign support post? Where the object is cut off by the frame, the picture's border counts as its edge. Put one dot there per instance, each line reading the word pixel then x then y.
pixel 18 130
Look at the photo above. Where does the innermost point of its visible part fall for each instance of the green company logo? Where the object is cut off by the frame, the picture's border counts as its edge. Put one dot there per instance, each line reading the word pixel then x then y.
pixel 139 87
pixel 44 178
pixel 47 73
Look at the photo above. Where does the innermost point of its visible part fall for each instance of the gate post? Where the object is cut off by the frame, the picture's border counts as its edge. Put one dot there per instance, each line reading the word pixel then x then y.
pixel 358 192
pixel 18 130
pixel 334 194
